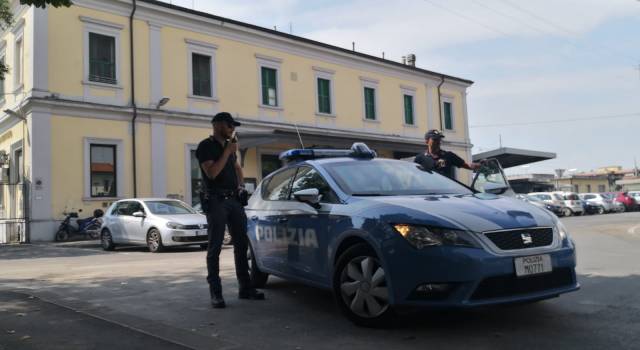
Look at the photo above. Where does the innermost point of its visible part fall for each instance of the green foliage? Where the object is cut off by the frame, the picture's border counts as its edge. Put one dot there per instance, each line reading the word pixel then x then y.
pixel 6 18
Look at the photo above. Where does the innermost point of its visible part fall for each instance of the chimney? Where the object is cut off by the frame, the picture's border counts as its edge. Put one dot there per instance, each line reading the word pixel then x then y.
pixel 411 60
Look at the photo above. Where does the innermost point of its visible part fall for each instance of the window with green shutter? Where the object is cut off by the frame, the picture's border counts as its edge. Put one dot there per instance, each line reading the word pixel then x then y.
pixel 447 112
pixel 269 86
pixel 201 72
pixel 2 81
pixel 324 96
pixel 408 110
pixel 369 103
pixel 102 58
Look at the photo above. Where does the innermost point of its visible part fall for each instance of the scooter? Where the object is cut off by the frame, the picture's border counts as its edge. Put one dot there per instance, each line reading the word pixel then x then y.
pixel 72 226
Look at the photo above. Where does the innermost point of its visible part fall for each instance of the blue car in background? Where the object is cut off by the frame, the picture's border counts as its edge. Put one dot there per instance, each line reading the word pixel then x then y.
pixel 385 234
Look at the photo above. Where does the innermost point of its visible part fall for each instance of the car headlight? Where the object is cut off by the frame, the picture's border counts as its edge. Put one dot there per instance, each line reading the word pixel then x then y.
pixel 422 236
pixel 175 226
pixel 562 230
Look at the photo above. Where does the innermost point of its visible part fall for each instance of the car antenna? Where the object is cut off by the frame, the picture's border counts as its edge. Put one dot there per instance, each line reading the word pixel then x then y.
pixel 299 137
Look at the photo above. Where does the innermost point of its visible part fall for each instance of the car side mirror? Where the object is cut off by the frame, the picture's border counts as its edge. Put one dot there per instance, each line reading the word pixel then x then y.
pixel 310 196
pixel 139 214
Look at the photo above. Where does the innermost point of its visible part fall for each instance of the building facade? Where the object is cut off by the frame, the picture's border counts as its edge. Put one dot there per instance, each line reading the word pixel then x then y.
pixel 84 126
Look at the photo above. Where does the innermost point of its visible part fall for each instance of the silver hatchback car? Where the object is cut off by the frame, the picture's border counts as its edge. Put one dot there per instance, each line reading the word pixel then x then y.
pixel 154 222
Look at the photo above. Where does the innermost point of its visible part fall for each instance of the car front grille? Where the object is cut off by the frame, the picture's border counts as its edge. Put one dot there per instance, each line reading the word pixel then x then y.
pixel 521 239
pixel 194 227
pixel 509 285
pixel 190 238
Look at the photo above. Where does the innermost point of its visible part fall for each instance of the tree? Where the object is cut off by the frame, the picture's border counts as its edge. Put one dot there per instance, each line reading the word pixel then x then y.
pixel 6 18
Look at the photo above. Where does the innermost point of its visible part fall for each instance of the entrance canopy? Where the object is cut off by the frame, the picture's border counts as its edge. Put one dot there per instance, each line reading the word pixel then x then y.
pixel 510 157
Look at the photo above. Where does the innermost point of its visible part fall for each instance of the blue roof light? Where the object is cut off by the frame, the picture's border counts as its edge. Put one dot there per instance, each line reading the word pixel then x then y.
pixel 358 150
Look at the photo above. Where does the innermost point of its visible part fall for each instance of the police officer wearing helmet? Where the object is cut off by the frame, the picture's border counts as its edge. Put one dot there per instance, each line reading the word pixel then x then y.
pixel 223 200
pixel 436 159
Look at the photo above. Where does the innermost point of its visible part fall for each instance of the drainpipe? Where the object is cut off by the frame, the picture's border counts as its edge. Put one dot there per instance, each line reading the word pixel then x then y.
pixel 440 102
pixel 133 101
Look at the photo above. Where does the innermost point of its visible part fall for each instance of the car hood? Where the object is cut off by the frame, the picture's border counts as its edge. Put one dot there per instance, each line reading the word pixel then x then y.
pixel 184 219
pixel 479 212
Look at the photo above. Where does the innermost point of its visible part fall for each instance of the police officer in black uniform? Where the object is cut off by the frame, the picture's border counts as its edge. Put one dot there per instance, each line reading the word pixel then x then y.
pixel 436 159
pixel 221 200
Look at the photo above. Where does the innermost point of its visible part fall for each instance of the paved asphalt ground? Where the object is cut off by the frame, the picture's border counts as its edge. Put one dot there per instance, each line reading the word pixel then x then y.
pixel 76 296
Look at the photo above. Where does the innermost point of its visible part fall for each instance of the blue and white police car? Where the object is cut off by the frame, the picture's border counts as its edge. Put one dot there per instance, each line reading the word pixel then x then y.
pixel 385 234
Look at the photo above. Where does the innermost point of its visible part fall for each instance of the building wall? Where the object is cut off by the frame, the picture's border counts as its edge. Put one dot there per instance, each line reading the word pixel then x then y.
pixel 583 183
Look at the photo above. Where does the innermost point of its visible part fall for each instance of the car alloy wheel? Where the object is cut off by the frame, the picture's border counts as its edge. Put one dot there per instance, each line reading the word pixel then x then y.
pixel 363 287
pixel 600 210
pixel 567 212
pixel 154 241
pixel 107 240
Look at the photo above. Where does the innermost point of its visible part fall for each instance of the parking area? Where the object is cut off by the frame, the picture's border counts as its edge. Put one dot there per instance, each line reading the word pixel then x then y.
pixel 164 296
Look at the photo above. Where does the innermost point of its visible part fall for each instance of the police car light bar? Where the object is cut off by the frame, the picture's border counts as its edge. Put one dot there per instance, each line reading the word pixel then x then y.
pixel 358 150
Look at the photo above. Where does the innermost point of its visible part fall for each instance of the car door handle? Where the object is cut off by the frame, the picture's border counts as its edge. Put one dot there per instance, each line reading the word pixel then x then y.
pixel 282 220
pixel 254 218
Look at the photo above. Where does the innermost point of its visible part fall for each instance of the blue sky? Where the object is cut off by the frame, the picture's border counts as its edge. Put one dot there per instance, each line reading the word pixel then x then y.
pixel 532 61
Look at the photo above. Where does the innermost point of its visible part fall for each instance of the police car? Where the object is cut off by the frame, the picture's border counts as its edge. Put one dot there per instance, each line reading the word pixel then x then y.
pixel 385 234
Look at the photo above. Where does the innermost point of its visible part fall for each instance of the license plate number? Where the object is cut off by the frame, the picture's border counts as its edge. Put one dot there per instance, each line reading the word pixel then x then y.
pixel 533 265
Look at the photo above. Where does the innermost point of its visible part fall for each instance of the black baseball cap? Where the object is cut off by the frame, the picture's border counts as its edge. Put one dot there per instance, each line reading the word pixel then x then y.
pixel 433 133
pixel 224 117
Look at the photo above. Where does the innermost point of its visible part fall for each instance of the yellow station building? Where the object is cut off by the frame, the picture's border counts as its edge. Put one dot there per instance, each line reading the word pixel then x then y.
pixel 82 126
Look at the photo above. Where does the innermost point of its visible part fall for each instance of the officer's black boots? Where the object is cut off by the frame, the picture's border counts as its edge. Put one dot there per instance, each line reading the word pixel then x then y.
pixel 217 302
pixel 252 294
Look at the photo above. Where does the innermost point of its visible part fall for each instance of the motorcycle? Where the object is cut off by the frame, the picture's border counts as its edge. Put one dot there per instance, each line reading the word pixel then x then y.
pixel 72 226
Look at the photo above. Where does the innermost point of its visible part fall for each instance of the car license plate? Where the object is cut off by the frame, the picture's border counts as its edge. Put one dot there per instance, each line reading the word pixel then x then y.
pixel 533 265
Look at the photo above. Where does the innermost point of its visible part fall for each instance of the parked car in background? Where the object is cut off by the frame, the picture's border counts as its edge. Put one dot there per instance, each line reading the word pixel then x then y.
pixel 629 202
pixel 599 200
pixel 552 198
pixel 556 209
pixel 635 195
pixel 618 206
pixel 154 222
pixel 572 201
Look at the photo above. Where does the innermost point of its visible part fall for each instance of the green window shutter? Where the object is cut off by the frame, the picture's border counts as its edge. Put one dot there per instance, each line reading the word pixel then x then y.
pixel 102 58
pixel 201 73
pixel 448 117
pixel 269 87
pixel 408 109
pixel 3 59
pixel 324 96
pixel 370 103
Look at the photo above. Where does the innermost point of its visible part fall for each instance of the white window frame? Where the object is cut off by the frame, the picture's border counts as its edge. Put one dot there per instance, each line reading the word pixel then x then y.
pixel 409 91
pixel 327 74
pixel 18 57
pixel 188 147
pixel 120 180
pixel 204 49
pixel 14 165
pixel 451 100
pixel 273 63
pixel 373 84
pixel 101 27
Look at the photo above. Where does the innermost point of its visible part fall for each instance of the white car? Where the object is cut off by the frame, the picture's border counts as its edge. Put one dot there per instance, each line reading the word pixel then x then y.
pixel 552 198
pixel 572 201
pixel 154 222
pixel 600 200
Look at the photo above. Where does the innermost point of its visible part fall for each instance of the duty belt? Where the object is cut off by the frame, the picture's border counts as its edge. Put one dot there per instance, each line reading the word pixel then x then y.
pixel 224 194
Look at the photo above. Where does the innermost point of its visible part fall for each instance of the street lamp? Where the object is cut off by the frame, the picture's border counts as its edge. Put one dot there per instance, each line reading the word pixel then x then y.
pixel 163 101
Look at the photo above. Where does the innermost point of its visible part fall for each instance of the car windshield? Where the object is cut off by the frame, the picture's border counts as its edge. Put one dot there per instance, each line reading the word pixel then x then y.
pixel 572 197
pixel 389 178
pixel 168 208
pixel 534 199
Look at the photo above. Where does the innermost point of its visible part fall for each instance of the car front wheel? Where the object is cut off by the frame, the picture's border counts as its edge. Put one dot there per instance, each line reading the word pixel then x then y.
pixel 566 212
pixel 154 241
pixel 107 240
pixel 258 278
pixel 360 287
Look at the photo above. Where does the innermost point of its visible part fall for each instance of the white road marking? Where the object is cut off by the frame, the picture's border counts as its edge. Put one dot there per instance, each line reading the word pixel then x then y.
pixel 632 231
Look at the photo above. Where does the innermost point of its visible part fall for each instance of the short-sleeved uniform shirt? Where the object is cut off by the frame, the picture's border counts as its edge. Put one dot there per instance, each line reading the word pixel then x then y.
pixel 210 149
pixel 428 162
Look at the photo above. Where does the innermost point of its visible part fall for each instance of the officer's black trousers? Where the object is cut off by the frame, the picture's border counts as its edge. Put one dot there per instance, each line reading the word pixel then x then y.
pixel 222 212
